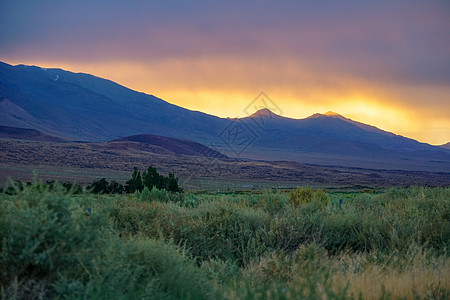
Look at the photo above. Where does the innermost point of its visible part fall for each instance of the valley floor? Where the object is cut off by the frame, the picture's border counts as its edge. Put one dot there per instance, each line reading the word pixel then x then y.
pixel 84 162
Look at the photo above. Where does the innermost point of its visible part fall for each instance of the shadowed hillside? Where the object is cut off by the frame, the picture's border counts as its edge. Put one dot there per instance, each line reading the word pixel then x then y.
pixel 8 132
pixel 177 146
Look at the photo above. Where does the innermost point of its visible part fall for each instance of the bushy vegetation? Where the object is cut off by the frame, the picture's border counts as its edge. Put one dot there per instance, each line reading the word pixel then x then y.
pixel 149 179
pixel 271 245
pixel 307 195
pixel 18 185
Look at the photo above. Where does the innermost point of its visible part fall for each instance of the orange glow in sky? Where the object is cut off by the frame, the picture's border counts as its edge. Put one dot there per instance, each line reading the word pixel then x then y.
pixel 384 63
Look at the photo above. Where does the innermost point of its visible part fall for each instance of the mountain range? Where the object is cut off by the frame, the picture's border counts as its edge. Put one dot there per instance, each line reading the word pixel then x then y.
pixel 82 107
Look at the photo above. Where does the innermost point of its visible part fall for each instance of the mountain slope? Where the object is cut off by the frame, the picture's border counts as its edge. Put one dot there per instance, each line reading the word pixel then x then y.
pixel 177 146
pixel 80 106
pixel 446 146
pixel 8 132
pixel 85 107
pixel 366 127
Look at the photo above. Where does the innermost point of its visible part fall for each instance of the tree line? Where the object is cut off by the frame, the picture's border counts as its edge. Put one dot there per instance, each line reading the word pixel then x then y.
pixel 149 178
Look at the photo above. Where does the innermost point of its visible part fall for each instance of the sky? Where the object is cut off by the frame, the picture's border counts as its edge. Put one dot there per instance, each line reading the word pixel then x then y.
pixel 385 63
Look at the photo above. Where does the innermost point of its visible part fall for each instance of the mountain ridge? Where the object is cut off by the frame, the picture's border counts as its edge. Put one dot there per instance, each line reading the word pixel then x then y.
pixel 79 106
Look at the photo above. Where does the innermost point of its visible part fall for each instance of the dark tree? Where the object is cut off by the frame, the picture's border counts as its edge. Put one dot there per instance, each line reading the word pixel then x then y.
pixel 135 183
pixel 162 182
pixel 151 178
pixel 172 184
pixel 99 187
pixel 115 188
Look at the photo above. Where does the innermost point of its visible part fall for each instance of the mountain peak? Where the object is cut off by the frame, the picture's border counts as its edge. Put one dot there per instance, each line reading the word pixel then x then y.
pixel 264 112
pixel 331 114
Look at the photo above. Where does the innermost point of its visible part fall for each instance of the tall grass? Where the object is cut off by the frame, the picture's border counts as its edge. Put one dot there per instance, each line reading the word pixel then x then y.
pixel 271 245
pixel 312 273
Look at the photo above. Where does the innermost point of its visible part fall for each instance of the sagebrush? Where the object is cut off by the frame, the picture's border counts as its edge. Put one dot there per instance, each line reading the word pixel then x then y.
pixel 272 245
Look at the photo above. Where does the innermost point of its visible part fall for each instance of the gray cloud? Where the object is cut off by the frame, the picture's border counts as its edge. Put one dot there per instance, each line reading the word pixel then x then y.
pixel 402 41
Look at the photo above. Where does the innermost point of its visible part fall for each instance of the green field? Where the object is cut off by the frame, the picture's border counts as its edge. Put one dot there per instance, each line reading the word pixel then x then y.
pixel 303 244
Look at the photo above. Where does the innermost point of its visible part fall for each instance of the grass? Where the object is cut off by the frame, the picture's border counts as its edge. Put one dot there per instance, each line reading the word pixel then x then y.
pixel 272 245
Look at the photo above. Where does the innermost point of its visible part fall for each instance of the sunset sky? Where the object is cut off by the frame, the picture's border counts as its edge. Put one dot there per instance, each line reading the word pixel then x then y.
pixel 385 63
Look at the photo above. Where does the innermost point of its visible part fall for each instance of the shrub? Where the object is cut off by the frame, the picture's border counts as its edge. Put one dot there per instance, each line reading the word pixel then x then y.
pixel 154 195
pixel 139 269
pixel 190 200
pixel 273 202
pixel 308 195
pixel 159 195
pixel 212 229
pixel 145 195
pixel 45 235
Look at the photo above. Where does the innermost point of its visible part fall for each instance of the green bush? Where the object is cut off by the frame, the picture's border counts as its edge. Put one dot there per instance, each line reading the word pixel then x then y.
pixel 145 195
pixel 190 200
pixel 46 235
pixel 273 202
pixel 139 269
pixel 159 195
pixel 212 229
pixel 307 195
pixel 154 195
